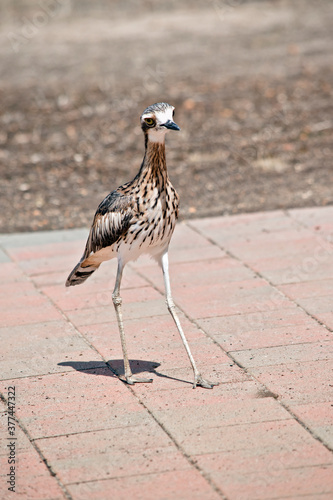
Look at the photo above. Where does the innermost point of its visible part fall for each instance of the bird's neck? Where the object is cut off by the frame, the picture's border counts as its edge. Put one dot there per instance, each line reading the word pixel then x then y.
pixel 154 162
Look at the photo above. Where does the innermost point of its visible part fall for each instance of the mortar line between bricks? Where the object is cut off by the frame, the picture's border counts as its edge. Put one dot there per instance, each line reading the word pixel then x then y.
pixel 305 496
pixel 313 434
pixel 301 224
pixel 167 471
pixel 60 372
pixel 179 448
pixel 191 320
pixel 127 476
pixel 288 214
pixel 255 422
pixel 81 335
pixel 23 428
pixel 40 454
pixel 195 323
pixel 187 457
pixel 33 443
pixel 286 407
pixel 68 321
pixel 259 275
pixel 29 278
pixel 149 412
pixel 191 461
pixel 283 345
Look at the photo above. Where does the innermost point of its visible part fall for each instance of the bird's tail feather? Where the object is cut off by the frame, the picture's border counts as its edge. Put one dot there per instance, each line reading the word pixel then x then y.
pixel 80 274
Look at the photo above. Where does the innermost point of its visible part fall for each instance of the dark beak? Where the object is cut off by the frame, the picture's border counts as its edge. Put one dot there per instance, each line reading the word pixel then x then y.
pixel 171 125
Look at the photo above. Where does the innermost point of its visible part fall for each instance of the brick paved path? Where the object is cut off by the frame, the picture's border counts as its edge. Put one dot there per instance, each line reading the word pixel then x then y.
pixel 255 296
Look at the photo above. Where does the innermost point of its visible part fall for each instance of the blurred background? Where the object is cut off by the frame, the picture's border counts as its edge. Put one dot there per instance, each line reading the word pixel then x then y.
pixel 252 83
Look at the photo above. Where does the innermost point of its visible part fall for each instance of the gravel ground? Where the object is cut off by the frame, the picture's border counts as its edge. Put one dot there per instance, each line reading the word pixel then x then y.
pixel 252 82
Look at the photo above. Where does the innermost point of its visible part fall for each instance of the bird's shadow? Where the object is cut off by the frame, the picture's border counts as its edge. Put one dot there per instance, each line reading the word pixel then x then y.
pixel 116 368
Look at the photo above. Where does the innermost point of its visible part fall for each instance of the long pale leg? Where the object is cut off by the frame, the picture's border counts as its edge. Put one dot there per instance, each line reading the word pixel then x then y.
pixel 117 301
pixel 198 380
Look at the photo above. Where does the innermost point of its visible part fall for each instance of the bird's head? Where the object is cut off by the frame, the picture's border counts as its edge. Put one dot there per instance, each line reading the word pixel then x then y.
pixel 156 120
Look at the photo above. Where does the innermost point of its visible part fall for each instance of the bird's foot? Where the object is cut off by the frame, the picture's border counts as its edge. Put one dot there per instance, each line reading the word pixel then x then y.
pixel 199 380
pixel 132 379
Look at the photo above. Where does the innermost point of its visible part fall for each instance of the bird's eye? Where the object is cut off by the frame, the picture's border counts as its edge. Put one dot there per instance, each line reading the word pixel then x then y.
pixel 150 122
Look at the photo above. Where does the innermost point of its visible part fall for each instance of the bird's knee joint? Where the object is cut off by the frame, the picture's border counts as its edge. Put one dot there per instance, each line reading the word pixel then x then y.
pixel 170 304
pixel 116 299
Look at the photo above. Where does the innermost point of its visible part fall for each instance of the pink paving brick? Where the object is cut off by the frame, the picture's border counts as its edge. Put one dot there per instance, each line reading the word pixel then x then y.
pixel 308 289
pixel 185 237
pixel 47 250
pixel 86 296
pixel 167 379
pixel 23 444
pixel 40 347
pixel 30 307
pixel 298 383
pixel 314 496
pixel 275 436
pixel 228 299
pixel 208 272
pixel 185 484
pixel 265 338
pixel 195 254
pixel 15 290
pixel 181 397
pixel 258 320
pixel 231 228
pixel 102 281
pixel 326 318
pixel 119 452
pixel 320 308
pixel 43 265
pixel 204 351
pixel 103 437
pixel 294 268
pixel 319 219
pixel 316 305
pixel 142 334
pixel 10 272
pixel 33 479
pixel 277 245
pixel 220 414
pixel 235 333
pixel 314 414
pixel 318 417
pixel 52 398
pixel 24 292
pixel 136 304
pixel 134 310
pixel 173 358
pixel 284 354
pixel 289 483
pixel 49 279
pixel 255 460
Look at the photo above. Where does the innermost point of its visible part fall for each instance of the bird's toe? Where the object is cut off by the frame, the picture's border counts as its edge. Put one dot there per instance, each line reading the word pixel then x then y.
pixel 201 382
pixel 131 380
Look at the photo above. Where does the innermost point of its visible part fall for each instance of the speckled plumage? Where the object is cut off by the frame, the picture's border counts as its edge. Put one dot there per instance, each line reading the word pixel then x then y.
pixel 138 217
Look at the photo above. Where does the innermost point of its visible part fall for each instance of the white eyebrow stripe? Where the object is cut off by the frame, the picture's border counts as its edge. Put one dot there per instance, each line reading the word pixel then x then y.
pixel 164 116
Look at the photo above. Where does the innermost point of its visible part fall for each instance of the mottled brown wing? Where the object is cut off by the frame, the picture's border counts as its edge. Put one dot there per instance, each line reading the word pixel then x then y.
pixel 112 220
